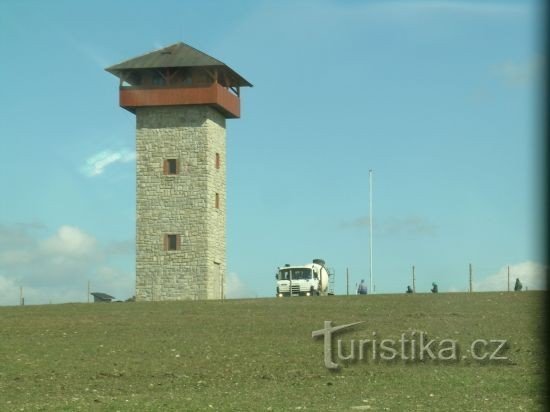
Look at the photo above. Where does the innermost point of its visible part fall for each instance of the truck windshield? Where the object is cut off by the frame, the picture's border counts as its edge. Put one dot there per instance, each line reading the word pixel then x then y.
pixel 297 274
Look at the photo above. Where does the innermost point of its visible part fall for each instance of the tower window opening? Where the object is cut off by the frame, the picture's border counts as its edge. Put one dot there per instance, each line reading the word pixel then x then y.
pixel 171 242
pixel 217 160
pixel 217 200
pixel 171 167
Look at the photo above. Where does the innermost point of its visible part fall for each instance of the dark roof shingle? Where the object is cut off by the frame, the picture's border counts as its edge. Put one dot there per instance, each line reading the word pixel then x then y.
pixel 175 55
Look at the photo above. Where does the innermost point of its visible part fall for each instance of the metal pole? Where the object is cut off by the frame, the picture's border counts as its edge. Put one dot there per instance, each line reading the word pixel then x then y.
pixel 88 292
pixel 414 281
pixel 508 278
pixel 370 231
pixel 347 282
pixel 21 295
pixel 471 278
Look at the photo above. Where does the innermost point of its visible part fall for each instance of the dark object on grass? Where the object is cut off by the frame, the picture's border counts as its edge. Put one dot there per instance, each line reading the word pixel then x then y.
pixel 434 288
pixel 518 286
pixel 409 289
pixel 101 297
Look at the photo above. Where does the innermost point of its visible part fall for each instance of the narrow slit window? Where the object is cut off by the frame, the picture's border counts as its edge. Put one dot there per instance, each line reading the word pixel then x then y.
pixel 217 200
pixel 172 242
pixel 217 160
pixel 171 167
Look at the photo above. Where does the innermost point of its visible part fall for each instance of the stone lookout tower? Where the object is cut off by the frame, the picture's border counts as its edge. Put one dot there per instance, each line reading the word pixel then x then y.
pixel 181 98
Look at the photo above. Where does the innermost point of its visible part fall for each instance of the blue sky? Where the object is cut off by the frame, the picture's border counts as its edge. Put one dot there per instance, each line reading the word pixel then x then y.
pixel 440 98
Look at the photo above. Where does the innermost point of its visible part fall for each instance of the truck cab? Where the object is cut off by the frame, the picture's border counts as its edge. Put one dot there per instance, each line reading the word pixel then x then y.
pixel 305 280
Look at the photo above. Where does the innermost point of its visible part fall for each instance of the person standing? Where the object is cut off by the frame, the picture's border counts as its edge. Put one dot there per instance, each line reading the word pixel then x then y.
pixel 362 288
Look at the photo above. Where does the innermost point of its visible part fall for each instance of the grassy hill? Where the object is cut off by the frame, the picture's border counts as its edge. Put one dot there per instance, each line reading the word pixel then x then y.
pixel 258 355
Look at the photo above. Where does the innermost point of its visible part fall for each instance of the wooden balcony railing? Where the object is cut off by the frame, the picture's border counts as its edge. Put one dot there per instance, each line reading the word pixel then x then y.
pixel 215 95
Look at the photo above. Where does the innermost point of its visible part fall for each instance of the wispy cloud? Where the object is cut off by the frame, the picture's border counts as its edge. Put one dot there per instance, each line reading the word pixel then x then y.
pixel 96 164
pixel 123 247
pixel 91 52
pixel 409 225
pixel 236 288
pixel 413 225
pixel 360 222
pixel 519 73
pixel 531 274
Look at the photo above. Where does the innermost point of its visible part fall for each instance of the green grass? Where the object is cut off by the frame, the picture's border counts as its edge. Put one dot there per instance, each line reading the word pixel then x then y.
pixel 258 355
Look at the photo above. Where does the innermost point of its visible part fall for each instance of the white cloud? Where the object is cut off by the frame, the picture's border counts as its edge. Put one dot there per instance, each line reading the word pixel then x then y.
pixel 109 279
pixel 96 164
pixel 236 288
pixel 531 274
pixel 69 241
pixel 13 257
pixel 57 268
pixel 9 291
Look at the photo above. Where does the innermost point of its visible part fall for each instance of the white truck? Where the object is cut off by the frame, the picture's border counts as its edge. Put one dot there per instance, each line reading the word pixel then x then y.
pixel 311 279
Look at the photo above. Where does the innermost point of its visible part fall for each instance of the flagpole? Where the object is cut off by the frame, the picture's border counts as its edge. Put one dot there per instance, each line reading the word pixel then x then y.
pixel 370 231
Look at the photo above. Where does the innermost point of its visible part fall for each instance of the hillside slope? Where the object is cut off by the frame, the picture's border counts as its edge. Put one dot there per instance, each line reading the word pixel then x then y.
pixel 254 355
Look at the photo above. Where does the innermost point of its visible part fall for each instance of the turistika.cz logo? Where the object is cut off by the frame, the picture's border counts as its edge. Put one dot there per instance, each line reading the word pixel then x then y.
pixel 413 346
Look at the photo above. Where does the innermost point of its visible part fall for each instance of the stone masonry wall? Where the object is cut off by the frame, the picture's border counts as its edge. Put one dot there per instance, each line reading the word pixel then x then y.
pixel 182 204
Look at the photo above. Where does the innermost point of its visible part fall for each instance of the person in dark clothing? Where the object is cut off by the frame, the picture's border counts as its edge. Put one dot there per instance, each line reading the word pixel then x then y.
pixel 434 288
pixel 518 286
pixel 409 289
pixel 362 288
